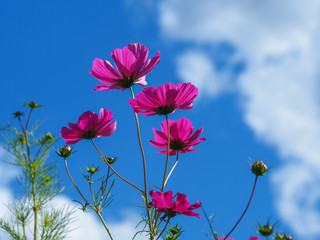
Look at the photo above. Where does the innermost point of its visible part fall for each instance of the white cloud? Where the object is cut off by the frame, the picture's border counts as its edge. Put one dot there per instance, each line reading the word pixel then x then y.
pixel 88 226
pixel 196 67
pixel 280 88
pixel 85 225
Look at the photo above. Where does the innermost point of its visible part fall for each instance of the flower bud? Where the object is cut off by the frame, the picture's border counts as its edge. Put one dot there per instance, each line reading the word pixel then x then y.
pixel 265 230
pixel 282 237
pixel 259 168
pixel 17 114
pixel 32 104
pixel 65 151
pixel 175 230
pixel 110 159
pixel 46 138
pixel 92 169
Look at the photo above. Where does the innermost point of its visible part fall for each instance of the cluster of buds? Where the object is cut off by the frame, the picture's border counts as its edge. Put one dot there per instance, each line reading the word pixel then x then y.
pixel 65 151
pixel 259 168
pixel 282 236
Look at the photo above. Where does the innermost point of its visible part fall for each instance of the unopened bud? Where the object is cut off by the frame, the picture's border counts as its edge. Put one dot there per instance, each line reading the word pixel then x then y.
pixel 282 237
pixel 17 114
pixel 92 169
pixel 259 168
pixel 47 138
pixel 265 230
pixel 65 151
pixel 110 160
pixel 175 230
pixel 32 104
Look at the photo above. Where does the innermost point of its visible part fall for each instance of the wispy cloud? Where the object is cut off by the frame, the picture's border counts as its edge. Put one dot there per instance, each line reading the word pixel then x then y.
pixel 278 41
pixel 197 67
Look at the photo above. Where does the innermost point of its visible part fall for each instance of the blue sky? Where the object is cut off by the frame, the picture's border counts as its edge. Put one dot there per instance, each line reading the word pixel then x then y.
pixel 256 68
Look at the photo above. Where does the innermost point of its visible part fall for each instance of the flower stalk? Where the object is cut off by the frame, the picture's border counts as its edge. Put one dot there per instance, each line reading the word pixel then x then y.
pixel 97 211
pixel 144 168
pixel 244 212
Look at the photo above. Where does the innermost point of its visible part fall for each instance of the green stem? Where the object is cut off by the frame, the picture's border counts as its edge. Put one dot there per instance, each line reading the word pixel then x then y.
pixel 104 224
pixel 94 209
pixel 74 184
pixel 105 160
pixel 157 214
pixel 35 158
pixel 35 207
pixel 144 168
pixel 168 150
pixel 90 186
pixel 24 231
pixel 254 187
pixel 163 229
pixel 175 164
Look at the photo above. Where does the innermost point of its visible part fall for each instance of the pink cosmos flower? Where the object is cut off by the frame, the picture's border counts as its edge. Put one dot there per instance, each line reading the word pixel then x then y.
pixel 164 99
pixel 254 238
pixel 89 126
pixel 132 66
pixel 163 202
pixel 180 137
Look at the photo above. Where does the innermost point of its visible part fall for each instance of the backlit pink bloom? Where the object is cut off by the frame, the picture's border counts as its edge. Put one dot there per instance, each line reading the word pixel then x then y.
pixel 181 139
pixel 132 66
pixel 164 203
pixel 253 238
pixel 89 126
pixel 164 99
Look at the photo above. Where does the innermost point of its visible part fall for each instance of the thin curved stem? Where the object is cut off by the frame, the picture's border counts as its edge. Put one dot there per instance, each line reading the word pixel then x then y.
pixel 97 211
pixel 157 214
pixel 254 187
pixel 74 184
pixel 27 124
pixel 90 186
pixel 163 229
pixel 105 160
pixel 168 150
pixel 173 167
pixel 144 165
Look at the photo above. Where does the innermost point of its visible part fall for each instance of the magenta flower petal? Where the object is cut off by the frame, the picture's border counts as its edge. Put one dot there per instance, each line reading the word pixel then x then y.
pixel 163 202
pixel 150 65
pixel 181 138
pixel 253 238
pixel 89 126
pixel 104 71
pixel 131 67
pixel 164 99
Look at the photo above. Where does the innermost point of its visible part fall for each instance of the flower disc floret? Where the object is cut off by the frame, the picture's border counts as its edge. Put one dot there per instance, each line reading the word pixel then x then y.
pixel 132 66
pixel 89 126
pixel 163 202
pixel 181 138
pixel 164 99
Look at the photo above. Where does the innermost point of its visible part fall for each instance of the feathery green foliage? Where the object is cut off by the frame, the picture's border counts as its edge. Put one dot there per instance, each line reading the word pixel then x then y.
pixel 38 180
